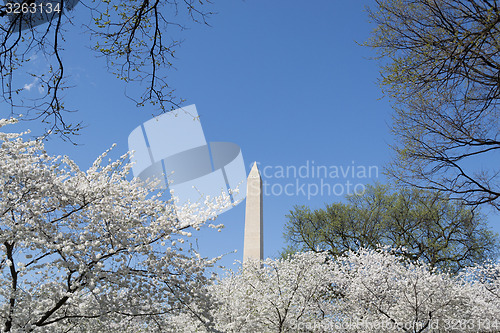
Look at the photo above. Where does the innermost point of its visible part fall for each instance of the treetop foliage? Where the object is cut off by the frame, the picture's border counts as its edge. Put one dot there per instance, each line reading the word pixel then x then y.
pixel 85 247
pixel 361 291
pixel 441 68
pixel 423 224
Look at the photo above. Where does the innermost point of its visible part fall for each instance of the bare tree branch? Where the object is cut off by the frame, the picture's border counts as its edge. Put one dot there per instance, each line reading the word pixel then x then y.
pixel 443 75
pixel 136 38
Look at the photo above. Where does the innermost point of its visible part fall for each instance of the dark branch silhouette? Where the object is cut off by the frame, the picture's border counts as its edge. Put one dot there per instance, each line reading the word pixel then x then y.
pixel 134 37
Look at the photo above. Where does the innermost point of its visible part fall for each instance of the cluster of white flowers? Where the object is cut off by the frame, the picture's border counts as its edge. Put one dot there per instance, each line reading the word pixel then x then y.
pixel 87 250
pixel 90 251
pixel 363 291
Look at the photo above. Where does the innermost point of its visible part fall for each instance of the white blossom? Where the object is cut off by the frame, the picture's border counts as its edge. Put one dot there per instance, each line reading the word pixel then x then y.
pixel 363 291
pixel 88 246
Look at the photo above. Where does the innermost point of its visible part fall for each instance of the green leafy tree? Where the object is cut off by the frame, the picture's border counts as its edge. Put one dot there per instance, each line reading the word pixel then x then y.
pixel 446 234
pixel 441 68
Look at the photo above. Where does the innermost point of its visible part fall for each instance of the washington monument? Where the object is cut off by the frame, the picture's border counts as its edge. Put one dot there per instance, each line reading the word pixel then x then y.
pixel 253 247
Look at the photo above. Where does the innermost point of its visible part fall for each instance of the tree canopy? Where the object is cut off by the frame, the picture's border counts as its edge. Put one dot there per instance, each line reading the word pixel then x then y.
pixel 90 248
pixel 441 68
pixel 430 227
pixel 362 291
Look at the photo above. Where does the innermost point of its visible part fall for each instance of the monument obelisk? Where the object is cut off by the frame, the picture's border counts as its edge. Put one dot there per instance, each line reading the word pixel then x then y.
pixel 253 247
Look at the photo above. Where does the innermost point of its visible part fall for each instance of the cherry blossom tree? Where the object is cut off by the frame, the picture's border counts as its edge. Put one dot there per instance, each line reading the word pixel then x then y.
pixel 485 304
pixel 385 292
pixel 279 296
pixel 368 290
pixel 91 250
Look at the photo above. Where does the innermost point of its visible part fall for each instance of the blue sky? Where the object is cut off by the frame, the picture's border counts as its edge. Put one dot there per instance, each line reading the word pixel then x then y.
pixel 285 80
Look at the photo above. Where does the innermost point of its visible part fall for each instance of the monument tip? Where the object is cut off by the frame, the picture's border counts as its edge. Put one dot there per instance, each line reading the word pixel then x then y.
pixel 254 172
